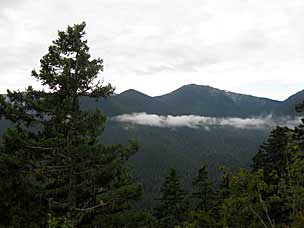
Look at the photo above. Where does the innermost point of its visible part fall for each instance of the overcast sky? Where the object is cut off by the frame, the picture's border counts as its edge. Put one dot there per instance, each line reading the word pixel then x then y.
pixel 249 46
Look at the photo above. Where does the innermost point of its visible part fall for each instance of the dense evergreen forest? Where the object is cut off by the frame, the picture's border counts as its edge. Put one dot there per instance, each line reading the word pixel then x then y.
pixel 55 172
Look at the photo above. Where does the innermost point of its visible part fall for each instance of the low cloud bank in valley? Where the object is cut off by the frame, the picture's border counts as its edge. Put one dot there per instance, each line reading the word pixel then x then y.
pixel 194 121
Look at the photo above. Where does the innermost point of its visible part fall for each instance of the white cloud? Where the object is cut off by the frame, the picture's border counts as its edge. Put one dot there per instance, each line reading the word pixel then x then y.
pixel 193 121
pixel 253 46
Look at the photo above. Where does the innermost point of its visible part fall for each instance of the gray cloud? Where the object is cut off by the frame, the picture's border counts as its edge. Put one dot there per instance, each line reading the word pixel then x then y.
pixel 226 44
pixel 193 121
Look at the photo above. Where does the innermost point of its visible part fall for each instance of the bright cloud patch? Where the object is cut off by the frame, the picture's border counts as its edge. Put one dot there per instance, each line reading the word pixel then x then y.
pixel 193 121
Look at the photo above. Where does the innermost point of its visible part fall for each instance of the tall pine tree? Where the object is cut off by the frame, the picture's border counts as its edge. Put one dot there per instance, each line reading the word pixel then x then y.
pixel 55 143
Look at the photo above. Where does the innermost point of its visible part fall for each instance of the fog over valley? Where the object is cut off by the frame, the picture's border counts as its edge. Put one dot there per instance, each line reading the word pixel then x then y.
pixel 194 121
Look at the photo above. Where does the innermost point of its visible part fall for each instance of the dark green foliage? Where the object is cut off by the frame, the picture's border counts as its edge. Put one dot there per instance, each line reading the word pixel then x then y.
pixel 172 205
pixel 54 151
pixel 202 190
pixel 254 201
pixel 270 195
pixel 272 156
pixel 184 149
pixel 244 206
pixel 202 212
pixel 199 219
pixel 223 189
pixel 19 205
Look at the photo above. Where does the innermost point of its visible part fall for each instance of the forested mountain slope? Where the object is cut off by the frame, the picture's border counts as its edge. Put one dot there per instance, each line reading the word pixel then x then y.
pixel 187 148
pixel 189 99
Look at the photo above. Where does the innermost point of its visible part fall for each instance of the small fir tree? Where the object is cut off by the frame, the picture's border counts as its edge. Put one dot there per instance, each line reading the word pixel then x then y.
pixel 202 193
pixel 171 210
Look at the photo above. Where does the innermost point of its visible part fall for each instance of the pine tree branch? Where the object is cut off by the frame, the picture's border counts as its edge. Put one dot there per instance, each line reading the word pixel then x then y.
pixel 257 215
pixel 101 204
pixel 265 208
pixel 40 147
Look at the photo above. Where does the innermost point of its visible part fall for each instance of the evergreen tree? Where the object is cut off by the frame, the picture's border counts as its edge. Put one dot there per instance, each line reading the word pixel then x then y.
pixel 274 159
pixel 55 143
pixel 255 202
pixel 293 189
pixel 171 210
pixel 202 193
pixel 245 206
pixel 224 187
pixel 272 156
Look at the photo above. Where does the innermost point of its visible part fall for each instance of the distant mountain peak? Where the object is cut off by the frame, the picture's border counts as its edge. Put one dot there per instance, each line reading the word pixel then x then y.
pixel 196 86
pixel 203 100
pixel 132 92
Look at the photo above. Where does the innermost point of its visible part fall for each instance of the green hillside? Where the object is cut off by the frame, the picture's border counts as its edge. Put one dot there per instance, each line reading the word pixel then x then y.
pixel 184 148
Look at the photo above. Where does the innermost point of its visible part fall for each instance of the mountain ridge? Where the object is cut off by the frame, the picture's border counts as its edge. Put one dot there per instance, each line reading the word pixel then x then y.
pixel 186 148
pixel 193 85
pixel 195 99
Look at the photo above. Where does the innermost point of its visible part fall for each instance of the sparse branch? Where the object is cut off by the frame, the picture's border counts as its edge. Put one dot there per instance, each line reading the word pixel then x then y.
pixel 101 204
pixel 258 216
pixel 265 208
